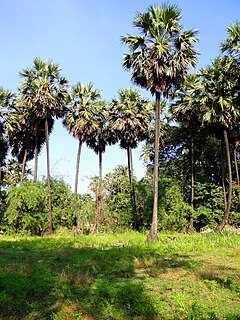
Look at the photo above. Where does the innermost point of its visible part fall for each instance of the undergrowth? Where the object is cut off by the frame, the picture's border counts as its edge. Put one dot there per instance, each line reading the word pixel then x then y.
pixel 120 276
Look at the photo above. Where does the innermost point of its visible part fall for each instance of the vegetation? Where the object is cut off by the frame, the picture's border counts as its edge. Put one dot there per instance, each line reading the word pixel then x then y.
pixel 120 277
pixel 191 187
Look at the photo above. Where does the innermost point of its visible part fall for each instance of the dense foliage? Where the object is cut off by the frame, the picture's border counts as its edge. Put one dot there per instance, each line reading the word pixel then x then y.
pixel 193 156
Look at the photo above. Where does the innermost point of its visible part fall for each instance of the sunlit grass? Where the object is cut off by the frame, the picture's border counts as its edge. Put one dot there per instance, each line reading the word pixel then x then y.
pixel 120 276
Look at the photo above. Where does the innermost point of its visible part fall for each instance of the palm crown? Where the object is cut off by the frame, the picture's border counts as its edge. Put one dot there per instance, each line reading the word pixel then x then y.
pixel 160 58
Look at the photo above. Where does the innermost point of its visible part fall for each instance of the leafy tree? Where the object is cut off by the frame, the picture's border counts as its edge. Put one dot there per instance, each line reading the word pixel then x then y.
pixel 118 198
pixel 159 61
pixel 45 92
pixel 129 120
pixel 26 208
pixel 62 201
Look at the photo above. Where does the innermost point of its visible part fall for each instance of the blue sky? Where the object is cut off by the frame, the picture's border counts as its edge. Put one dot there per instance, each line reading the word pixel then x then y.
pixel 83 38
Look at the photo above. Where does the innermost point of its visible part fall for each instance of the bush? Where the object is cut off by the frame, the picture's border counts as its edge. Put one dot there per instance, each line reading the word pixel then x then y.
pixel 26 208
pixel 62 203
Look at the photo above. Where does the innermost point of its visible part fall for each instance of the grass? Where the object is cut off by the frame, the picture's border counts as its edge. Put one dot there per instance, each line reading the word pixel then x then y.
pixel 120 277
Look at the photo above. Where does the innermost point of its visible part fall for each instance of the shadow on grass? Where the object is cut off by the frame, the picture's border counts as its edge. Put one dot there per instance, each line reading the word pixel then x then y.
pixel 41 279
pixel 50 279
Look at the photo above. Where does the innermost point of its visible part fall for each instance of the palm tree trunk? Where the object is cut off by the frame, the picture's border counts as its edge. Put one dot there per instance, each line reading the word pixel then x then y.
pixel 77 174
pixel 192 179
pixel 153 231
pixel 133 197
pixel 100 165
pixel 24 165
pixel 98 211
pixel 223 176
pixel 227 210
pixel 36 159
pixel 236 169
pixel 48 180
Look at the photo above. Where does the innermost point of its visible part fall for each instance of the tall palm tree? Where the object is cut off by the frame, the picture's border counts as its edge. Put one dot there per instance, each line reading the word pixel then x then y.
pixel 186 111
pixel 23 130
pixel 45 92
pixel 6 98
pixel 98 144
pixel 129 120
pixel 80 119
pixel 6 101
pixel 220 110
pixel 159 61
pixel 231 48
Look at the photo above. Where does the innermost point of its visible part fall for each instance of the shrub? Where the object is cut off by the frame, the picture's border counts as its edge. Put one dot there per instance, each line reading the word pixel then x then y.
pixel 26 208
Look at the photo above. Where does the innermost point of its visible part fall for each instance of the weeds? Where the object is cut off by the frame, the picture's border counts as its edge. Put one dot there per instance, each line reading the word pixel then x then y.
pixel 120 277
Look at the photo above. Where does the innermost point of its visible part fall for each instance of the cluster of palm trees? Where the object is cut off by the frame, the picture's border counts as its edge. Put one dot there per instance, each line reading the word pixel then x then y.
pixel 210 100
pixel 159 61
pixel 44 96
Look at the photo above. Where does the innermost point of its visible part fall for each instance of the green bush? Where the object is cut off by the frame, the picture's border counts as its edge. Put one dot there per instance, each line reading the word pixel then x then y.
pixel 26 208
pixel 62 203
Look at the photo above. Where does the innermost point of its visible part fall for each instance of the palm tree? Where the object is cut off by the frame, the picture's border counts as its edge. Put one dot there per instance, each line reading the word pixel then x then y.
pixel 98 144
pixel 221 111
pixel 23 130
pixel 231 45
pixel 45 92
pixel 231 48
pixel 159 61
pixel 185 110
pixel 80 119
pixel 129 120
pixel 6 101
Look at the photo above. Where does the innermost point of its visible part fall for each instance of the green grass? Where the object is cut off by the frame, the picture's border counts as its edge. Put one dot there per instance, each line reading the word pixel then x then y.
pixel 120 277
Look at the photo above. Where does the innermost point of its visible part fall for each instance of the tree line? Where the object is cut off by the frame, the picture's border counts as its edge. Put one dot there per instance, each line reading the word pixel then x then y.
pixel 190 131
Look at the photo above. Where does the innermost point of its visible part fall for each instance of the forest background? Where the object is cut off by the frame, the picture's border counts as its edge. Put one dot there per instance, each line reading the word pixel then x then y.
pixel 175 177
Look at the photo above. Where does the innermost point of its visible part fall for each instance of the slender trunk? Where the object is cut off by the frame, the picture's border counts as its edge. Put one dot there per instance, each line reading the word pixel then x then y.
pixel 98 211
pixel 192 179
pixel 48 180
pixel 77 174
pixel 132 192
pixel 223 175
pixel 24 164
pixel 153 231
pixel 227 210
pixel 236 169
pixel 100 165
pixel 36 159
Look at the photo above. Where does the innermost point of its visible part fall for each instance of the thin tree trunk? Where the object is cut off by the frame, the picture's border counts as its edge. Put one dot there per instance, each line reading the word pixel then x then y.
pixel 36 159
pixel 48 180
pixel 133 197
pixel 153 231
pixel 100 165
pixel 192 180
pixel 24 165
pixel 236 169
pixel 77 174
pixel 98 212
pixel 227 210
pixel 223 176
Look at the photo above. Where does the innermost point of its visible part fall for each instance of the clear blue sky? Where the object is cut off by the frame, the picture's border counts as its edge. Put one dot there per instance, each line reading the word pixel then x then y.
pixel 83 37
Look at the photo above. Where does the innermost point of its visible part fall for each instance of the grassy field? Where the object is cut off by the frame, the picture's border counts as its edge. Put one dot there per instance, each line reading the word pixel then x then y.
pixel 120 277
